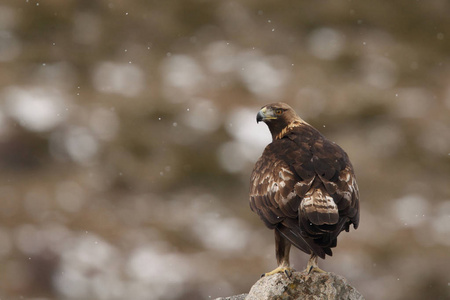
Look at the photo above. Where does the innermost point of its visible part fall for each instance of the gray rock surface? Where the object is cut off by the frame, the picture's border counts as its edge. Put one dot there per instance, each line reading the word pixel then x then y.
pixel 236 297
pixel 300 285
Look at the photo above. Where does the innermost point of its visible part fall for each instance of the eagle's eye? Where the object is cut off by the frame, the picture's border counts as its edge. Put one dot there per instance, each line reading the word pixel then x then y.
pixel 278 111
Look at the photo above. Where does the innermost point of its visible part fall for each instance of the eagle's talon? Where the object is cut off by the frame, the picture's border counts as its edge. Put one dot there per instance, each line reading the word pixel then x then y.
pixel 315 270
pixel 288 273
pixel 312 266
pixel 284 270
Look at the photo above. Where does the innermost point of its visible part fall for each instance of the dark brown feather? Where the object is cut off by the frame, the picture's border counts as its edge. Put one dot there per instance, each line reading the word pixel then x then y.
pixel 304 186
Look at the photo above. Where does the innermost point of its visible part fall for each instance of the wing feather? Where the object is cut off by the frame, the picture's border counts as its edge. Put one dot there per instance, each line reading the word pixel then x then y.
pixel 304 186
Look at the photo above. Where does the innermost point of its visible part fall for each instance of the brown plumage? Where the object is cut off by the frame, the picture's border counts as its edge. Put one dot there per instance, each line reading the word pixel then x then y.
pixel 303 186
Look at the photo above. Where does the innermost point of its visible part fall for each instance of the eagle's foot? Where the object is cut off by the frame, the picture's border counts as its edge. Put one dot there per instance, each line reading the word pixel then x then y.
pixel 286 270
pixel 314 270
pixel 312 266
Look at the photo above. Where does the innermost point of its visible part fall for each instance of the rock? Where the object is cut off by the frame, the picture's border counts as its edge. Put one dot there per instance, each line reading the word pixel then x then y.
pixel 237 297
pixel 300 285
pixel 303 286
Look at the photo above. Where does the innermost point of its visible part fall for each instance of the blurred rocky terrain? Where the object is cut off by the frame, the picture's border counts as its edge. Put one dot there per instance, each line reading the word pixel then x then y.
pixel 128 136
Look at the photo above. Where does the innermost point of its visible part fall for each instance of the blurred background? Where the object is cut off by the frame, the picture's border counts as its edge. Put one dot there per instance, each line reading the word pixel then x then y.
pixel 128 135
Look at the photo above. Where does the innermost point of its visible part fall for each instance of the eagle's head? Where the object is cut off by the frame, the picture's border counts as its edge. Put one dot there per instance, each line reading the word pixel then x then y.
pixel 279 117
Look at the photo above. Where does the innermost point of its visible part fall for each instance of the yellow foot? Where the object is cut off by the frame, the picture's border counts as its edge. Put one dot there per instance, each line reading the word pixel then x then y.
pixel 286 270
pixel 312 266
pixel 313 269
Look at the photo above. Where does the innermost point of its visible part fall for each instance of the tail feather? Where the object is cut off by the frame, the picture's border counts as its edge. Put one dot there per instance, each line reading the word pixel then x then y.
pixel 305 244
pixel 319 208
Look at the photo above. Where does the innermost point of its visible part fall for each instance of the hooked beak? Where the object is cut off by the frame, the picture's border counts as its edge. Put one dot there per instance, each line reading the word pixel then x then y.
pixel 265 114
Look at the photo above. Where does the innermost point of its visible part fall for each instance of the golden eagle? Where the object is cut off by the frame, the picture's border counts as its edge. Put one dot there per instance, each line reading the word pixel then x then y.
pixel 303 186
